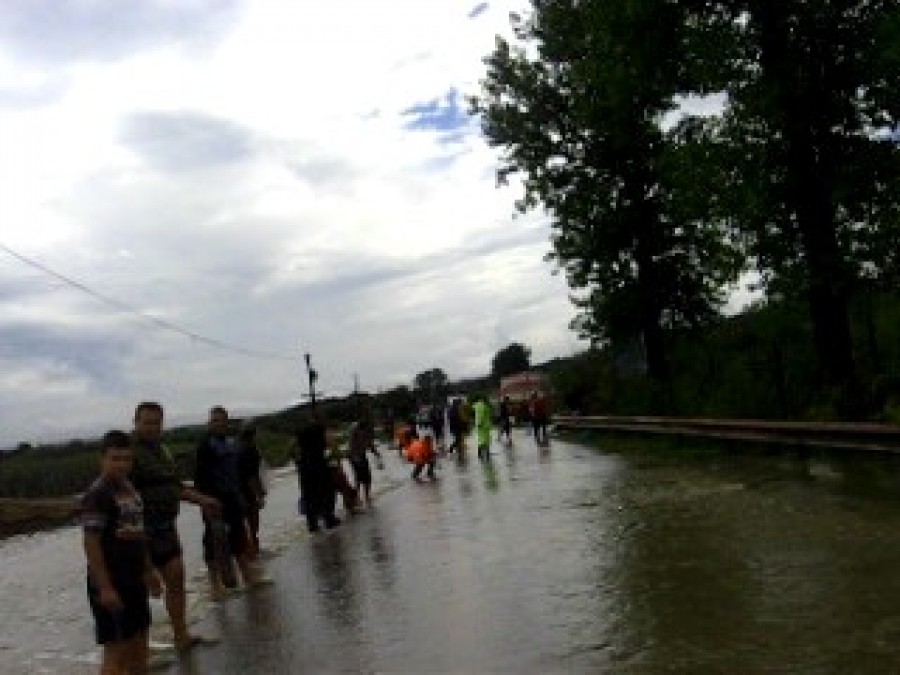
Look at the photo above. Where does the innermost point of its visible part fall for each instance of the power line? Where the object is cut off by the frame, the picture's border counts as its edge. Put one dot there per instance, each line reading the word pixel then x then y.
pixel 160 323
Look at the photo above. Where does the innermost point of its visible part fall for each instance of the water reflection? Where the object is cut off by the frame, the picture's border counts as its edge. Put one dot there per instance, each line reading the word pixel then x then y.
pixel 510 454
pixel 383 558
pixel 335 579
pixel 462 460
pixel 589 563
pixel 683 579
pixel 490 475
pixel 543 450
pixel 465 486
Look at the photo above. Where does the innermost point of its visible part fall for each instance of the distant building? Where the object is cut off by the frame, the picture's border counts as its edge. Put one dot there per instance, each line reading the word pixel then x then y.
pixel 520 386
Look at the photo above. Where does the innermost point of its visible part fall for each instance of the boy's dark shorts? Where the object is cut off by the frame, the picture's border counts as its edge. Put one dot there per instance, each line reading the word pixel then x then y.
pixel 361 470
pixel 163 544
pixel 134 618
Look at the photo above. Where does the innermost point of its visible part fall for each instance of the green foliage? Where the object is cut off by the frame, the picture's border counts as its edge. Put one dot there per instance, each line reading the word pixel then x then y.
pixel 512 359
pixel 431 384
pixel 759 364
pixel 396 403
pixel 32 474
pixel 577 104
pixel 69 468
pixel 275 447
pixel 798 177
pixel 812 178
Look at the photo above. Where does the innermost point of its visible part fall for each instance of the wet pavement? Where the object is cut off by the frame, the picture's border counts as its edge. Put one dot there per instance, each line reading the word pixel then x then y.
pixel 563 559
pixel 490 568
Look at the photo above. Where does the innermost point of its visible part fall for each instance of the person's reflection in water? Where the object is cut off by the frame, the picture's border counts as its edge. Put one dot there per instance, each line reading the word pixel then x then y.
pixel 262 611
pixel 465 485
pixel 187 664
pixel 544 452
pixel 490 475
pixel 336 581
pixel 462 461
pixel 384 558
pixel 509 452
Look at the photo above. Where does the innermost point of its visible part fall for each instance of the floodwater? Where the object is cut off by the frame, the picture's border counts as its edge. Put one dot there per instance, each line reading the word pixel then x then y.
pixel 566 559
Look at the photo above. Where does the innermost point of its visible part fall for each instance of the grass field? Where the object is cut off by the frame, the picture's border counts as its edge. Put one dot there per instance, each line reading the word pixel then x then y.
pixel 18 516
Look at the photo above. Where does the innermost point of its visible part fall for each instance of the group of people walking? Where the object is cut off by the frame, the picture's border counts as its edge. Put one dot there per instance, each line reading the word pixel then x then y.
pixel 460 417
pixel 129 513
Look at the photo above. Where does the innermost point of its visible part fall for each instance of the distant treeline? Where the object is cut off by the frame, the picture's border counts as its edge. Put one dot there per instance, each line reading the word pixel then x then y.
pixel 758 364
pixel 68 468
pixel 50 470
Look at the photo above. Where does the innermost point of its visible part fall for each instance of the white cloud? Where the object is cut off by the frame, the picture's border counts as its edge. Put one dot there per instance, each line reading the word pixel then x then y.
pixel 282 176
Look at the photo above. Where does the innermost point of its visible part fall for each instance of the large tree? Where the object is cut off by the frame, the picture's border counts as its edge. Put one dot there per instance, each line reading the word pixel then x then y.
pixel 430 384
pixel 577 106
pixel 512 359
pixel 813 91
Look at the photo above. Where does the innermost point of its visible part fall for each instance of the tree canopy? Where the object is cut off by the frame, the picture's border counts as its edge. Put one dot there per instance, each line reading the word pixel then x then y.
pixel 512 359
pixel 430 384
pixel 811 88
pixel 655 213
pixel 576 105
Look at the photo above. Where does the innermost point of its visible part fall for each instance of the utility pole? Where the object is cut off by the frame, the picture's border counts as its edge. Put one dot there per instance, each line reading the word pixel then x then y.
pixel 313 376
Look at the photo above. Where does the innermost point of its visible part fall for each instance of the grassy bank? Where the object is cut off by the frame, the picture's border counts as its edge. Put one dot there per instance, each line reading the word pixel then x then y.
pixel 19 516
pixel 67 469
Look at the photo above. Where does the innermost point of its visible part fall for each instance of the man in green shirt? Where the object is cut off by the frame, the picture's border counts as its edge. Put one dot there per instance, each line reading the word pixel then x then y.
pixel 155 475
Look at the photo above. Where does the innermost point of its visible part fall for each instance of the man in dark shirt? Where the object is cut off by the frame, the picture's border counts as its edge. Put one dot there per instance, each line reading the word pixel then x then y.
pixel 454 421
pixel 155 475
pixel 253 491
pixel 316 483
pixel 120 574
pixel 217 476
pixel 505 420
pixel 436 421
pixel 540 417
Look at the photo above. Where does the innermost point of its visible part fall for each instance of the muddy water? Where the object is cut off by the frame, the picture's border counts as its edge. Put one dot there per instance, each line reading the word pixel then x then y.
pixel 45 625
pixel 565 559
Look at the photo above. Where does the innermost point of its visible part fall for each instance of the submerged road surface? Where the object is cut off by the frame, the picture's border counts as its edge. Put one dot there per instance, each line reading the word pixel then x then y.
pixel 493 567
pixel 563 559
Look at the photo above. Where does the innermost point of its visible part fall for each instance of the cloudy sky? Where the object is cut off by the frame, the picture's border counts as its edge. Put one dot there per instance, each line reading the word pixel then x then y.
pixel 278 176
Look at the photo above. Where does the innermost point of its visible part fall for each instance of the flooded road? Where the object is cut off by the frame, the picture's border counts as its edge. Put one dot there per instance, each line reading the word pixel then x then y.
pixel 567 559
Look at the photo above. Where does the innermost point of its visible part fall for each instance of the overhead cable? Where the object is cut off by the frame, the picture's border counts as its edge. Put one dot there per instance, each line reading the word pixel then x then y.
pixel 160 323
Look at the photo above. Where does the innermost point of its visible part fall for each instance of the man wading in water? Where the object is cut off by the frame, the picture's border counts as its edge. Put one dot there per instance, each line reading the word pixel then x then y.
pixel 316 484
pixel 217 476
pixel 362 441
pixel 155 475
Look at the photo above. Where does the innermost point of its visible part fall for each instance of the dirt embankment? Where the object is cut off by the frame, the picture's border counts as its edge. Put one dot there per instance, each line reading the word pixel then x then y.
pixel 20 516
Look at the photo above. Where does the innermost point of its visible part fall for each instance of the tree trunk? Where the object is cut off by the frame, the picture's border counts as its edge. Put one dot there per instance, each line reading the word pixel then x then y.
pixel 650 314
pixel 798 83
pixel 655 349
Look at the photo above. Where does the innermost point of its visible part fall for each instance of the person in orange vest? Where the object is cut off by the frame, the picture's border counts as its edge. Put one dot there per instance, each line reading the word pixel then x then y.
pixel 405 432
pixel 420 452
